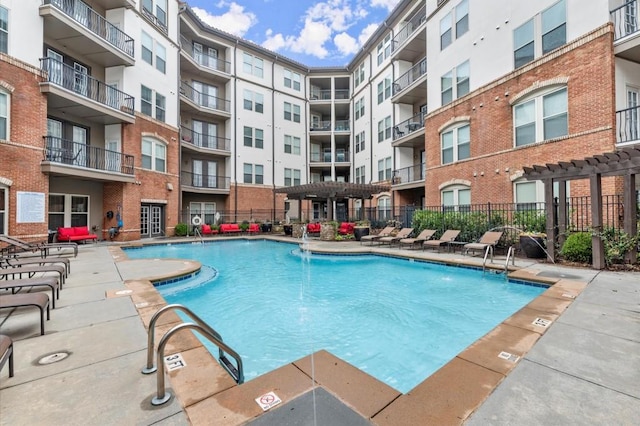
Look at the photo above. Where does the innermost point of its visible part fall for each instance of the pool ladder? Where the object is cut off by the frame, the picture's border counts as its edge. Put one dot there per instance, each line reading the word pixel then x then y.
pixel 510 255
pixel 235 371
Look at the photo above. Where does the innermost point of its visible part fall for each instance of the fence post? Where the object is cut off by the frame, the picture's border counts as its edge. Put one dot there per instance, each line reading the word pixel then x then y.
pixel 489 215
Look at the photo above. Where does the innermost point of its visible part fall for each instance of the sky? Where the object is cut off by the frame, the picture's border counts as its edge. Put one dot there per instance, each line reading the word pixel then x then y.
pixel 314 33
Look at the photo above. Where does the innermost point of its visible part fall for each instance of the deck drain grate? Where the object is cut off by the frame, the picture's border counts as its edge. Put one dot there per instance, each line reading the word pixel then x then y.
pixel 53 358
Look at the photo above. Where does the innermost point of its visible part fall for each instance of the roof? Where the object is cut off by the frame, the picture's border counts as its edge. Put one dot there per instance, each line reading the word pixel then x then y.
pixel 621 162
pixel 326 190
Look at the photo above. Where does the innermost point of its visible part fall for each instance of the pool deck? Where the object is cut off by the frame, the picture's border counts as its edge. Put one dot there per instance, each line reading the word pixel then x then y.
pixel 582 368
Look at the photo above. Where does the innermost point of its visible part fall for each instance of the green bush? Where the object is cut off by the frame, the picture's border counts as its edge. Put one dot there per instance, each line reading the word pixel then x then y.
pixel 181 229
pixel 617 243
pixel 577 247
pixel 530 221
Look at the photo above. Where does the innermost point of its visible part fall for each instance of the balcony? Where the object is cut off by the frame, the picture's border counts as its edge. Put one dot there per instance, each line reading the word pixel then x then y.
pixel 204 183
pixel 88 34
pixel 342 156
pixel 68 158
pixel 159 22
pixel 411 87
pixel 328 94
pixel 205 143
pixel 342 126
pixel 410 132
pixel 199 102
pixel 78 94
pixel 628 126
pixel 198 62
pixel 626 23
pixel 410 42
pixel 321 126
pixel 409 175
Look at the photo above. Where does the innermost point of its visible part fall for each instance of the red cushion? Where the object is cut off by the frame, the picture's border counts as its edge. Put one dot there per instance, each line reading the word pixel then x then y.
pixel 64 232
pixel 206 229
pixel 80 230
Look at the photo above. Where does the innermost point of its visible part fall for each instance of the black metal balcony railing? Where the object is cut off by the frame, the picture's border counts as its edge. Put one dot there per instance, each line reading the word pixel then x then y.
pixel 160 23
pixel 406 79
pixel 97 24
pixel 628 125
pixel 204 141
pixel 204 99
pixel 83 84
pixel 409 174
pixel 409 126
pixel 204 59
pixel 412 25
pixel 206 181
pixel 626 19
pixel 63 151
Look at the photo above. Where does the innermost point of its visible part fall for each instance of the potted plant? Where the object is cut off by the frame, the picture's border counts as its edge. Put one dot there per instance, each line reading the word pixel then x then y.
pixel 361 229
pixel 533 245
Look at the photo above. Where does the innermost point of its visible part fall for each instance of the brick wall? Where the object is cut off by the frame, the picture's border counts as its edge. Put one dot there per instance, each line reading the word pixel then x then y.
pixel 586 66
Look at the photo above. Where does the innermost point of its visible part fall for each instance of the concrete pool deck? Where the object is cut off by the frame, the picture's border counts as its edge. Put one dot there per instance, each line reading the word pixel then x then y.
pixel 582 369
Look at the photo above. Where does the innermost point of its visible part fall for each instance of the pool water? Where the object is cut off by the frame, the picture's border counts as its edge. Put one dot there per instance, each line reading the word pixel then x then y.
pixel 398 320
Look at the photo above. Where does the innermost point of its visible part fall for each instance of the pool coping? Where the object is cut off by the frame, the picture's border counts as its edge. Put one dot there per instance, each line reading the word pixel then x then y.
pixel 448 396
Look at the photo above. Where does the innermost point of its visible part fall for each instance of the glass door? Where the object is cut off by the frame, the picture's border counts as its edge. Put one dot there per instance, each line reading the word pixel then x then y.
pixel 80 80
pixel 55 67
pixel 197 173
pixel 212 174
pixel 80 156
pixel 633 115
pixel 54 140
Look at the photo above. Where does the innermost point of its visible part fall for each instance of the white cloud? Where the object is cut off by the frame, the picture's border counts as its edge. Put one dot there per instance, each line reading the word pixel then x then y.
pixel 234 21
pixel 346 44
pixel 388 4
pixel 366 33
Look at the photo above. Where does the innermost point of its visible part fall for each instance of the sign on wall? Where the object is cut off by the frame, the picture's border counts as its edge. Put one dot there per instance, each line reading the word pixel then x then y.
pixel 30 208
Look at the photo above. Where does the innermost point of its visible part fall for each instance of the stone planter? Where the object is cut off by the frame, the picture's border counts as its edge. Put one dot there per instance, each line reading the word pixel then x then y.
pixel 327 232
pixel 532 246
pixel 359 232
pixel 298 230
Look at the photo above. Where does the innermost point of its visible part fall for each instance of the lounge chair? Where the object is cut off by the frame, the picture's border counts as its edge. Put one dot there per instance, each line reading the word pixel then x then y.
pixel 425 235
pixel 39 300
pixel 16 246
pixel 21 261
pixel 447 238
pixel 386 232
pixel 489 239
pixel 403 233
pixel 51 282
pixel 31 270
pixel 6 352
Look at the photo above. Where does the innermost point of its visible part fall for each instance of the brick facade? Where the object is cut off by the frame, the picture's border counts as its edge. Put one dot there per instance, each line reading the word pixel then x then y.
pixel 585 66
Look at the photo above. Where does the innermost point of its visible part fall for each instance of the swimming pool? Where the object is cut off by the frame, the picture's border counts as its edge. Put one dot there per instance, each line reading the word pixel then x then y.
pixel 398 320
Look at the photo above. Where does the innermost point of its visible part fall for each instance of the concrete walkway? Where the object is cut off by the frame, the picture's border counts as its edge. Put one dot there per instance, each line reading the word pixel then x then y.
pixel 584 370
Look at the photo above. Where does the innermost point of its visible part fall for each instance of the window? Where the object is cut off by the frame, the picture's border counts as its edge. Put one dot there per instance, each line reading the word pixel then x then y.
pixel 455 144
pixel 552 23
pixel 358 76
pixel 384 169
pixel 161 58
pixel 384 129
pixel 252 65
pixel 360 141
pixel 154 155
pixel 449 91
pixel 359 108
pixel 160 107
pixel 253 137
pixel 456 198
pixel 291 177
pixel 206 211
pixel 147 48
pixel 4 115
pixel 68 210
pixel 460 14
pixel 157 16
pixel 384 49
pixel 360 178
pixel 4 30
pixel 291 80
pixel 541 118
pixel 384 208
pixel 528 194
pixel 291 112
pixel 248 173
pixel 253 101
pixel 250 177
pixel 146 101
pixel 384 89
pixel 292 145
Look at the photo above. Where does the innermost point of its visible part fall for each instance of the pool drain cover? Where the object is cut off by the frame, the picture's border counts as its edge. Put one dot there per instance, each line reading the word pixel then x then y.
pixel 52 358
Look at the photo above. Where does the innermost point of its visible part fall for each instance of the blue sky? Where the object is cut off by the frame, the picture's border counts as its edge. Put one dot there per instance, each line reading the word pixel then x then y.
pixel 315 33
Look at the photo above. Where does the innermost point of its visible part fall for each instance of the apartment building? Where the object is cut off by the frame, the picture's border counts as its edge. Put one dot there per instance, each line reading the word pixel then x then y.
pixel 138 108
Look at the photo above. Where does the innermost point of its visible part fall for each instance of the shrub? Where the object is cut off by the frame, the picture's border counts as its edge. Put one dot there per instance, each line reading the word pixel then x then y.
pixel 181 229
pixel 617 243
pixel 577 247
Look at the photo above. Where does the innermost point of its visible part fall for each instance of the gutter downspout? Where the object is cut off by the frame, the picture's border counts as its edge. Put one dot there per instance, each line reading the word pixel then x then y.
pixel 235 139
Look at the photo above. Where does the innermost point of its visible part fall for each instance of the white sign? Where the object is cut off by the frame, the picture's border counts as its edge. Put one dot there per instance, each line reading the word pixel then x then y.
pixel 268 400
pixel 30 207
pixel 541 322
pixel 509 357
pixel 174 362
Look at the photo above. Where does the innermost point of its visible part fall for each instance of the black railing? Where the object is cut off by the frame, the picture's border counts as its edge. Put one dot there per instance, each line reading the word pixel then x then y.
pixel 63 151
pixel 412 25
pixel 204 59
pixel 628 125
pixel 205 181
pixel 82 84
pixel 626 19
pixel 161 24
pixel 409 126
pixel 203 99
pixel 204 141
pixel 406 79
pixel 97 24
pixel 408 174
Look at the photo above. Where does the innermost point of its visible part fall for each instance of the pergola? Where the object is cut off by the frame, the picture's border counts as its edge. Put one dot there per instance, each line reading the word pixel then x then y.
pixel 624 162
pixel 331 191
